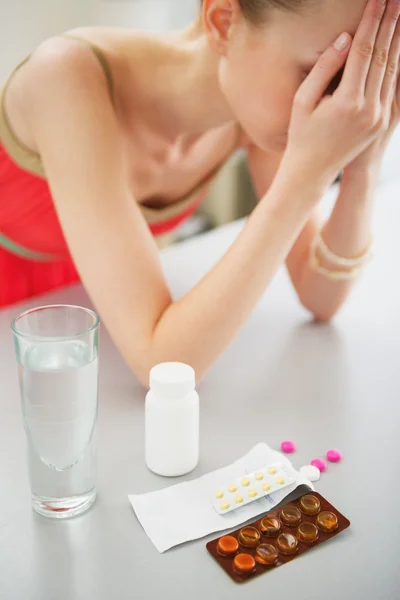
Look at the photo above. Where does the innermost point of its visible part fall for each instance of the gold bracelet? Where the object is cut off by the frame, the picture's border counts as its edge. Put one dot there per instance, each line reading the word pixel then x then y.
pixel 340 261
pixel 316 266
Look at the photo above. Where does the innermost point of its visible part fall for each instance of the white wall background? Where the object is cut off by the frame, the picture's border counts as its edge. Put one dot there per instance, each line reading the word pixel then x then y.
pixel 25 23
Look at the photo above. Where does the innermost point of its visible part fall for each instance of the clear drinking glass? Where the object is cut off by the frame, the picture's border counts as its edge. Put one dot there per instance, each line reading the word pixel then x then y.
pixel 57 353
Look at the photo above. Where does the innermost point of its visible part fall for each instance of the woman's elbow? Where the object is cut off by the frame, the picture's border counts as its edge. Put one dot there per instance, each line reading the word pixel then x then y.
pixel 324 317
pixel 142 371
pixel 322 314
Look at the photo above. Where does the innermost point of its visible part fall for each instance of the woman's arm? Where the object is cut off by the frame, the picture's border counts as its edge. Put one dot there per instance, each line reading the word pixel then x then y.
pixel 111 244
pixel 78 137
pixel 347 233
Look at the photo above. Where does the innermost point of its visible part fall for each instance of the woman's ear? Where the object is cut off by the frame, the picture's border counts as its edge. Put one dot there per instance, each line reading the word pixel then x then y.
pixel 219 17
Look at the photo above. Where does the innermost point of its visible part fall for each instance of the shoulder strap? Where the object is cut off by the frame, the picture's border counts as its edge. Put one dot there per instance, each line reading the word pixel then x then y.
pixel 99 54
pixel 23 252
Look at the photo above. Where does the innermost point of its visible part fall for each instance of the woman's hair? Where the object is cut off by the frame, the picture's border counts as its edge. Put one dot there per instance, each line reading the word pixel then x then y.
pixel 256 10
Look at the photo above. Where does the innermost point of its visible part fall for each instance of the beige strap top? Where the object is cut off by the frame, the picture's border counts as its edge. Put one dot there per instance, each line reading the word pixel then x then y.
pixel 30 161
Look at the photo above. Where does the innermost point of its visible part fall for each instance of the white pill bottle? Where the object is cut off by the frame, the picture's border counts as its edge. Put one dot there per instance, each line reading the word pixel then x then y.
pixel 172 420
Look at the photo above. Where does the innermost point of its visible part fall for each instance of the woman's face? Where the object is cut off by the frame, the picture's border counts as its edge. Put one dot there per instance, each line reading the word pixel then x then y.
pixel 263 67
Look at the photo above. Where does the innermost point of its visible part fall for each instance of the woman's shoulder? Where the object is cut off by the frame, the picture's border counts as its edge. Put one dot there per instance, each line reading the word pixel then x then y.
pixel 86 53
pixel 65 54
pixel 54 57
pixel 53 71
pixel 75 50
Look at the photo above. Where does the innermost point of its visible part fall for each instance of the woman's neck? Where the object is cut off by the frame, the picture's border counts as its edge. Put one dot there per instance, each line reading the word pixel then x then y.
pixel 184 97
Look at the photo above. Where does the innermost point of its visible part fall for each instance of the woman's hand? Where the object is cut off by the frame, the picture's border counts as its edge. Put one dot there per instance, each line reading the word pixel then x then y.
pixel 370 160
pixel 328 132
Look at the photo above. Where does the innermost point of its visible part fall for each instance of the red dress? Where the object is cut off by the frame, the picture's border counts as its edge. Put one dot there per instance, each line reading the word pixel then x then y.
pixel 34 256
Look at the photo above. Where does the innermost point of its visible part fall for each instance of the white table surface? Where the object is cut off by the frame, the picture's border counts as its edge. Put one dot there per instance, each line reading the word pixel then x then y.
pixel 283 377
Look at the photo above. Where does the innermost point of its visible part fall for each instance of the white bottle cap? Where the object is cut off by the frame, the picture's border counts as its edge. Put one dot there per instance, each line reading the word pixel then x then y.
pixel 172 380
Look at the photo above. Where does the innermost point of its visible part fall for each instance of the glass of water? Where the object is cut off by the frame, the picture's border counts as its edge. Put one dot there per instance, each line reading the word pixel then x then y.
pixel 57 353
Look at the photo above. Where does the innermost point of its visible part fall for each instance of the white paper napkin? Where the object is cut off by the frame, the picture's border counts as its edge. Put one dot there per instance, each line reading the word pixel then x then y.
pixel 185 512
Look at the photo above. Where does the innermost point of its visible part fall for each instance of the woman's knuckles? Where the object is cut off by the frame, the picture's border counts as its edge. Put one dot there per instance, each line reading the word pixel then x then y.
pixel 365 48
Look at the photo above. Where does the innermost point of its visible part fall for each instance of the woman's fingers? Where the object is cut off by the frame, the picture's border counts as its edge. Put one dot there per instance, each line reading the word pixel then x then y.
pixel 329 64
pixel 358 64
pixel 384 60
pixel 392 71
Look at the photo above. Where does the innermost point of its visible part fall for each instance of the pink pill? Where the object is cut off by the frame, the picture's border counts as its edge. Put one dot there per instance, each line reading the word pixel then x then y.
pixel 334 455
pixel 319 463
pixel 288 446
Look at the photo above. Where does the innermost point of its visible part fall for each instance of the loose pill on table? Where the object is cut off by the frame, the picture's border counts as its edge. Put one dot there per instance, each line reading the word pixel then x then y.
pixel 280 480
pixel 312 473
pixel 232 488
pixel 219 494
pixel 334 455
pixel 225 505
pixel 271 470
pixel 288 446
pixel 245 481
pixel 238 499
pixel 252 493
pixel 259 476
pixel 319 463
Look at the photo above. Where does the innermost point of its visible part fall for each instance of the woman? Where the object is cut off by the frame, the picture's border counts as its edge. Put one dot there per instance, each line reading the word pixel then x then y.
pixel 108 137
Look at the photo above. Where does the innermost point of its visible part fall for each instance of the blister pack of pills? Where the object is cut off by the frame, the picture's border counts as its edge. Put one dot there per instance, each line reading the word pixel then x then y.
pixel 251 487
pixel 278 538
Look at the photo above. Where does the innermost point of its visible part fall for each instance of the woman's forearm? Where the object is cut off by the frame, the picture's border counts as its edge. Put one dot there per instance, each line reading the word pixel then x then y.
pixel 347 233
pixel 197 328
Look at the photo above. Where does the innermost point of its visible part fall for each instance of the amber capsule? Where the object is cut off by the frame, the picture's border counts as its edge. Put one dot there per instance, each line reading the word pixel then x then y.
pixel 327 521
pixel 287 543
pixel 266 554
pixel 290 515
pixel 228 545
pixel 270 527
pixel 307 533
pixel 249 537
pixel 310 505
pixel 244 564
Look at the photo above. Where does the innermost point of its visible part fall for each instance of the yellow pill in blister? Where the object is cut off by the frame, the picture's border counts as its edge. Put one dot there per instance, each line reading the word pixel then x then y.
pixel 252 493
pixel 238 499
pixel 225 505
pixel 232 488
pixel 259 476
pixel 280 480
pixel 272 470
pixel 266 487
pixel 219 494
pixel 245 481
